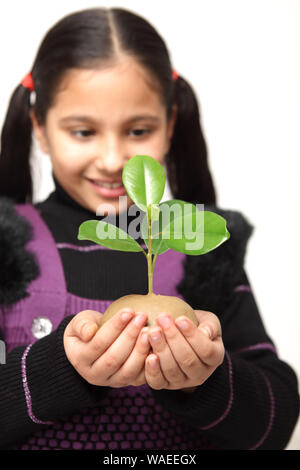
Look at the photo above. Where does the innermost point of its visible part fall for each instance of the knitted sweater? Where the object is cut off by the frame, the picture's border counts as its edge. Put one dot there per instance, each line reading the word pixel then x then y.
pixel 250 402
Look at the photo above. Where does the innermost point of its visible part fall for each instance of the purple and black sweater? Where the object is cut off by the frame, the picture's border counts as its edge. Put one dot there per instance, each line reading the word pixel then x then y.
pixel 47 276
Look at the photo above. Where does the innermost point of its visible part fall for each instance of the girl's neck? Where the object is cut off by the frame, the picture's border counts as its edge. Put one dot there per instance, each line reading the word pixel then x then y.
pixel 64 198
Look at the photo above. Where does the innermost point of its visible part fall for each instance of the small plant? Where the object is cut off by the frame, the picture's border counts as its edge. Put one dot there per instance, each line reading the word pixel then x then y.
pixel 172 224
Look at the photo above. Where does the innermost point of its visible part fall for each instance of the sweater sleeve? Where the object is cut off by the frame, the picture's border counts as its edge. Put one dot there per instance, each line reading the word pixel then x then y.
pixel 251 401
pixel 38 386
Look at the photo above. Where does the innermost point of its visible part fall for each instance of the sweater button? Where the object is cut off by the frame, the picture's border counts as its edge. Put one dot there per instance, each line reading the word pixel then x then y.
pixel 41 327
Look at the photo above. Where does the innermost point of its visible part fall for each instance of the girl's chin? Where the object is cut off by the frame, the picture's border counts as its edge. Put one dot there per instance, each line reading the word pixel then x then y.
pixel 101 206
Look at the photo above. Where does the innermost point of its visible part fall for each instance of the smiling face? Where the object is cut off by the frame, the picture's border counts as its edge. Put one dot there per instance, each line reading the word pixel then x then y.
pixel 99 120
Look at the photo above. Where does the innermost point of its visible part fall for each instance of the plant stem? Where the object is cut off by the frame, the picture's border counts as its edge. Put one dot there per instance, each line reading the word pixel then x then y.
pixel 149 259
pixel 153 265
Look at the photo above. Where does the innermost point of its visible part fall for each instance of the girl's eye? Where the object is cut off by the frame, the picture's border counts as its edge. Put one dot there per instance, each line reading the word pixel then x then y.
pixel 139 132
pixel 83 133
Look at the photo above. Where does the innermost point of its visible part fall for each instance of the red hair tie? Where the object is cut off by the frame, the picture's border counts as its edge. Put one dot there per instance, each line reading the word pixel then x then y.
pixel 174 75
pixel 28 82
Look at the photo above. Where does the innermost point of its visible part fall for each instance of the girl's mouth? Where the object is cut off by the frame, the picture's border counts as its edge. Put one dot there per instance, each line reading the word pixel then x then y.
pixel 109 190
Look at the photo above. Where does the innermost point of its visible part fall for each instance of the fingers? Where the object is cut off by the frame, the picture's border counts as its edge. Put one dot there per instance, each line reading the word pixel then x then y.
pixel 120 349
pixel 209 321
pixel 109 332
pixel 132 372
pixel 172 372
pixel 153 373
pixel 205 340
pixel 183 355
pixel 117 353
pixel 96 340
pixel 77 335
pixel 187 345
pixel 84 325
pixel 97 359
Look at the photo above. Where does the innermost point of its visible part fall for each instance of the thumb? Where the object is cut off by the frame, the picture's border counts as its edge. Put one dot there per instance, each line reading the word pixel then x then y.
pixel 209 323
pixel 85 325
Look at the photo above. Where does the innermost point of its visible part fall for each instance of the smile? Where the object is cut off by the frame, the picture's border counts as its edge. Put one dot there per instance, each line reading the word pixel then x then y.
pixel 108 190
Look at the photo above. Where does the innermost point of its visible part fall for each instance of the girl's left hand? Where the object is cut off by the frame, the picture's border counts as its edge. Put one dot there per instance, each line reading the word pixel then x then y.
pixel 184 355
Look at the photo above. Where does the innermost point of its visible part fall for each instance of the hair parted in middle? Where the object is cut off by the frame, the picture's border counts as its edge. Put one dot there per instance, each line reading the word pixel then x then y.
pixel 91 38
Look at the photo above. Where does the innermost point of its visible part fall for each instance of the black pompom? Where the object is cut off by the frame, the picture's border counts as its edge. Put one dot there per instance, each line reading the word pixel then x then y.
pixel 18 267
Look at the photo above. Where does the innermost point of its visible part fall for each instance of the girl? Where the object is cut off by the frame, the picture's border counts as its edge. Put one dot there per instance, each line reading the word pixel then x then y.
pixel 100 91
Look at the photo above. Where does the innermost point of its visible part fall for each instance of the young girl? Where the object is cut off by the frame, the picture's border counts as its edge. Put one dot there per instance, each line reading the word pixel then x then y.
pixel 101 90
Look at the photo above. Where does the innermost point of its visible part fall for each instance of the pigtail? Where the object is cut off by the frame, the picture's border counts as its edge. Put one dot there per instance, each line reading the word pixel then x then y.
pixel 16 137
pixel 82 40
pixel 187 165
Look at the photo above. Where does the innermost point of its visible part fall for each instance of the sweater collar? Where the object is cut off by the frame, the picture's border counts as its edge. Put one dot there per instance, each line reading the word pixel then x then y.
pixel 63 199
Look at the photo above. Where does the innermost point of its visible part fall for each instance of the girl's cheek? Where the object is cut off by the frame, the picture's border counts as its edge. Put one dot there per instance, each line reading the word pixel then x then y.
pixel 74 154
pixel 156 148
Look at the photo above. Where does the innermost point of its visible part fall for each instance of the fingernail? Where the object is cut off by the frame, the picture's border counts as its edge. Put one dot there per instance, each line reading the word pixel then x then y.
pixel 126 316
pixel 87 329
pixel 144 337
pixel 207 331
pixel 152 362
pixel 183 324
pixel 84 329
pixel 164 321
pixel 139 320
pixel 156 336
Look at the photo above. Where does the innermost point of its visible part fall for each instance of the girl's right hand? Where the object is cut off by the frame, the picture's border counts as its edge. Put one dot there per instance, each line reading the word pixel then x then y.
pixel 113 355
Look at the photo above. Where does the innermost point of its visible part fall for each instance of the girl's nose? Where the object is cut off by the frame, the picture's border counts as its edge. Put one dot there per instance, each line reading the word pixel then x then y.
pixel 111 157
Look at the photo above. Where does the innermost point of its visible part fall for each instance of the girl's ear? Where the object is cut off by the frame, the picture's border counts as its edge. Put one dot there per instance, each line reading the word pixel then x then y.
pixel 40 133
pixel 171 126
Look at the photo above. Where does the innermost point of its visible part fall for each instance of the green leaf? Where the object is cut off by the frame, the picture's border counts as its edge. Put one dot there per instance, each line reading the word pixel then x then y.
pixel 107 235
pixel 182 227
pixel 168 210
pixel 144 179
pixel 197 233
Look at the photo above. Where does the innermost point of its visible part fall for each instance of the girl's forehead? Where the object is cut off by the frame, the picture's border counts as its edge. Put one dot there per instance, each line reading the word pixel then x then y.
pixel 125 83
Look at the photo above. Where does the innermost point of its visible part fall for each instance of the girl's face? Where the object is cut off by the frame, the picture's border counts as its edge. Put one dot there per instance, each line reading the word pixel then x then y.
pixel 99 120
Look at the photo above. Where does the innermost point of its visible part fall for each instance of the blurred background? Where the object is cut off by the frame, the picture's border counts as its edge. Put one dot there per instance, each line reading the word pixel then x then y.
pixel 243 59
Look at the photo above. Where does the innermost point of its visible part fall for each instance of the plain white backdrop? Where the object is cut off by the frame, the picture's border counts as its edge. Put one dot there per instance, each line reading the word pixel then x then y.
pixel 243 59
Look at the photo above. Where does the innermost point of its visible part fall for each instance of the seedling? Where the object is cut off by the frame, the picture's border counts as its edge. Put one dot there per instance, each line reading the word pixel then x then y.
pixel 172 224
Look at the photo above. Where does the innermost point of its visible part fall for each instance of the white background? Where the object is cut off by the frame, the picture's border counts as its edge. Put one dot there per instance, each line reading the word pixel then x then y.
pixel 243 59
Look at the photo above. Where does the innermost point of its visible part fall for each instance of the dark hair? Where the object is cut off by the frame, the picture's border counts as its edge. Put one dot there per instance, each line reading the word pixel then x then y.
pixel 85 39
